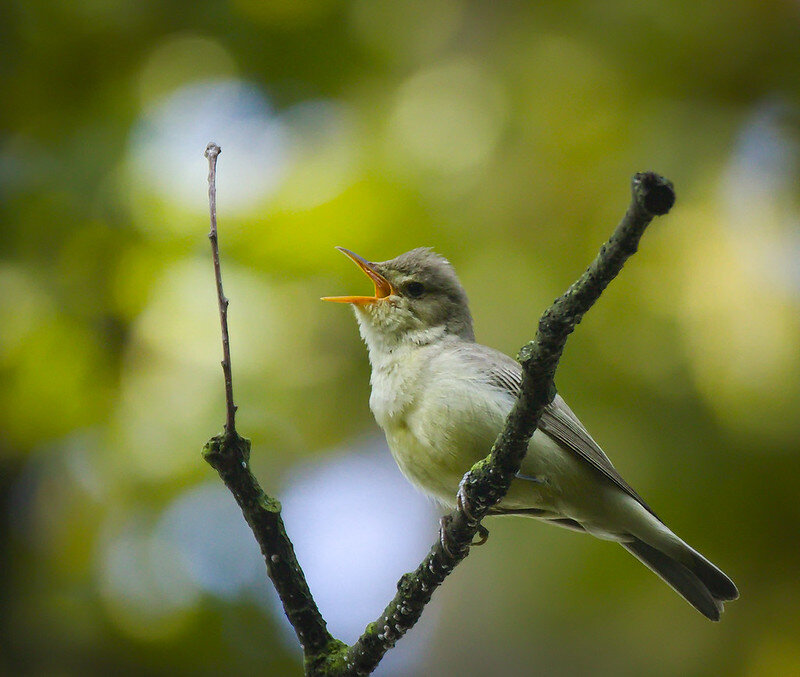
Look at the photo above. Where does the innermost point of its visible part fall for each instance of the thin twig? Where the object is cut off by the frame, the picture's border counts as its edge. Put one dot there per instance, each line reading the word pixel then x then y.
pixel 229 455
pixel 212 153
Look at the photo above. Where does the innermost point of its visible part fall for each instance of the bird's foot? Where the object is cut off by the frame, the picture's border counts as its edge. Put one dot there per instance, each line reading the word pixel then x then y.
pixel 463 504
pixel 447 546
pixel 444 520
pixel 483 535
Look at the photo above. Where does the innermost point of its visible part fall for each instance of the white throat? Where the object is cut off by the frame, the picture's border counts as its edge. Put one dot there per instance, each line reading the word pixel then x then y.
pixel 382 342
pixel 397 359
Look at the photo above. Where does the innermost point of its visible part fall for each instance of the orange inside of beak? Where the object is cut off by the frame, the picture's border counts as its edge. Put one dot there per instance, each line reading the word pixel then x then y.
pixel 383 287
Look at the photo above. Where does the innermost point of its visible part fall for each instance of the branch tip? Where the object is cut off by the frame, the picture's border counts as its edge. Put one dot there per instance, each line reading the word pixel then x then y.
pixel 212 150
pixel 653 192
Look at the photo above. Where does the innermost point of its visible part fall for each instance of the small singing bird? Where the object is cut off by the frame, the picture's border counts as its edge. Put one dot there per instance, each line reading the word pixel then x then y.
pixel 441 398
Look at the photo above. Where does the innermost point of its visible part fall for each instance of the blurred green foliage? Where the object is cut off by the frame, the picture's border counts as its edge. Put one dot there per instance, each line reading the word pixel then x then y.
pixel 503 135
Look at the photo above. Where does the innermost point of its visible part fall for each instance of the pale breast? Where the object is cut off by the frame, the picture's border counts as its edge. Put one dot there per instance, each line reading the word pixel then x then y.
pixel 397 379
pixel 442 421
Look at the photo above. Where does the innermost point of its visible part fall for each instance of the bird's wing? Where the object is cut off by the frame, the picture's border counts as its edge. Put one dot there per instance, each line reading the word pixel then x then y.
pixel 558 421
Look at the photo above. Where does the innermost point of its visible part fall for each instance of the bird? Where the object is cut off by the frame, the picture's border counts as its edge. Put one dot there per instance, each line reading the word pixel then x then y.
pixel 441 399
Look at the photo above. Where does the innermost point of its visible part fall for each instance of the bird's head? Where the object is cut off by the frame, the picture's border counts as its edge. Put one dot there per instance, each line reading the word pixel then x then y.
pixel 418 299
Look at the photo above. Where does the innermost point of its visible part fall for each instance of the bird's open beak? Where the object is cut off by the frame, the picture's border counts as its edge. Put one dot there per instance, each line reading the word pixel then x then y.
pixel 383 287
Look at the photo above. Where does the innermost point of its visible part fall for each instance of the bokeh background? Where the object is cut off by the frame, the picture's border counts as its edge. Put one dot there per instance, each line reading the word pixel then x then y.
pixel 502 134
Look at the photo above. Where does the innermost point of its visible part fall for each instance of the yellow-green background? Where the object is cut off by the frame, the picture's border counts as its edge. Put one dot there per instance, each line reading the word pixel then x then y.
pixel 504 135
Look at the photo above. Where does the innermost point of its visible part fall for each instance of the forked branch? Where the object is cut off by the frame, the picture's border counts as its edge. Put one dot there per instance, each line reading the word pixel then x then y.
pixel 482 487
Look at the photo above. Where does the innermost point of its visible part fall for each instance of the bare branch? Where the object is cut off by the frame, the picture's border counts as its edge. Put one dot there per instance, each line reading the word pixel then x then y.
pixel 229 455
pixel 212 153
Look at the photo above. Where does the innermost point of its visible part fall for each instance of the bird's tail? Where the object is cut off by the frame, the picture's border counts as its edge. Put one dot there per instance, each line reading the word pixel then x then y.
pixel 692 576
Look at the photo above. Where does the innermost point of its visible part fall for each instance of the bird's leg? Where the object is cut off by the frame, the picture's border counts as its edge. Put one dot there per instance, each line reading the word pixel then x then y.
pixel 528 478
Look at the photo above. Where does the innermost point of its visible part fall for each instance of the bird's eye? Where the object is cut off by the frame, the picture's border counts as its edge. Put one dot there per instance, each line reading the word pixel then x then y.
pixel 414 289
